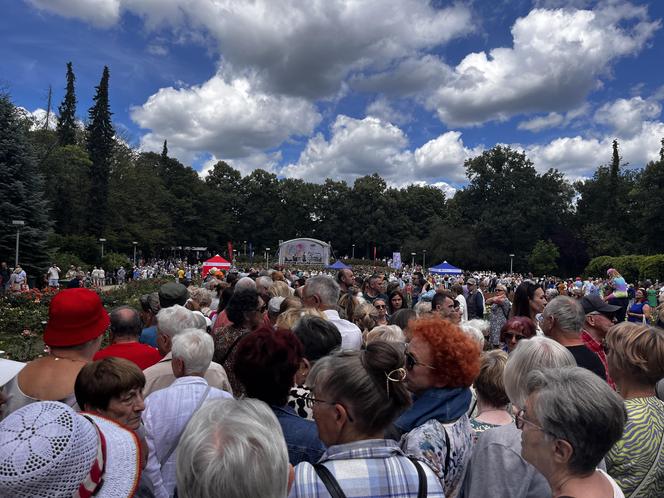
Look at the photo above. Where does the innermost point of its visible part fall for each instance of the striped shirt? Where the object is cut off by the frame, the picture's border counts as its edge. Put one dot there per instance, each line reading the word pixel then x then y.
pixel 371 468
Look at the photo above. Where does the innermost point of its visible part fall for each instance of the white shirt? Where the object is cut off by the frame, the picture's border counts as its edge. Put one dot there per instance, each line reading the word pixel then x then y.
pixel 351 335
pixel 463 306
pixel 166 414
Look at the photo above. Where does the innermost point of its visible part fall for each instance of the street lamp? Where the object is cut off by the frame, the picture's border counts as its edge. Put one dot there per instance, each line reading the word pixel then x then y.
pixel 102 247
pixel 353 251
pixel 412 261
pixel 424 259
pixel 135 244
pixel 244 244
pixel 267 257
pixel 511 258
pixel 18 224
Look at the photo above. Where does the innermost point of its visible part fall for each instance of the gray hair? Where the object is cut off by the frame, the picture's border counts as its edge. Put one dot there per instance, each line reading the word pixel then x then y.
pixel 551 293
pixel 174 319
pixel 474 332
pixel 265 282
pixel 324 287
pixel 244 283
pixel 360 381
pixel 532 354
pixel 570 400
pixel 195 348
pixel 482 325
pixel 567 312
pixel 202 296
pixel 387 333
pixel 226 438
pixel 422 308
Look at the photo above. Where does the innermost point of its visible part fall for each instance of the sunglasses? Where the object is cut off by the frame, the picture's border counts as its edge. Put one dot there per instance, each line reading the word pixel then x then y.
pixel 509 337
pixel 411 361
pixel 380 306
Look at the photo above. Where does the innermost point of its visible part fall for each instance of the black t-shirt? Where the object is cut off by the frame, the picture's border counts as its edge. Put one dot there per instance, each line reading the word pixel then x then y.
pixel 587 359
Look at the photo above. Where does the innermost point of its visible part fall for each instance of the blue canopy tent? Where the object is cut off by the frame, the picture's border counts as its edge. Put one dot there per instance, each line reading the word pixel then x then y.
pixel 445 269
pixel 338 265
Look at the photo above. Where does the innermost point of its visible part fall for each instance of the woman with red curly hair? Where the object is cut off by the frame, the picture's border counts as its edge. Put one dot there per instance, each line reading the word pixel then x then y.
pixel 442 363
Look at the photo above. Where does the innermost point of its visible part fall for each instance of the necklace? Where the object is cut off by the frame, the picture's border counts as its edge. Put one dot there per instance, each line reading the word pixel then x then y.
pixel 56 358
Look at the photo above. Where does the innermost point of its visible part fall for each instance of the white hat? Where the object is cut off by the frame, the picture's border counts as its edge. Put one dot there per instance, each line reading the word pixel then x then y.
pixel 48 450
pixel 9 369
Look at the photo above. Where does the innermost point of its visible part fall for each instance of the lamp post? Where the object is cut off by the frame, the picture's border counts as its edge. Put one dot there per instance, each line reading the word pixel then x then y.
pixel 244 245
pixel 18 224
pixel 102 247
pixel 267 257
pixel 511 259
pixel 135 244
pixel 412 261
pixel 424 259
pixel 353 257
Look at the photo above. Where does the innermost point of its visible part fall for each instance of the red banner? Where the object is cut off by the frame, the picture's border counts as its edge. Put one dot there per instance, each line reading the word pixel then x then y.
pixel 230 251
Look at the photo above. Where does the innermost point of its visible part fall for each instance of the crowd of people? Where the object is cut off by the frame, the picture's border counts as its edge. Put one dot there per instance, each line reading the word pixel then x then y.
pixel 301 383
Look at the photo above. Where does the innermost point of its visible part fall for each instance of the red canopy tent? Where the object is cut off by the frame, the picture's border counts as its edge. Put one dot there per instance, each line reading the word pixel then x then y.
pixel 214 262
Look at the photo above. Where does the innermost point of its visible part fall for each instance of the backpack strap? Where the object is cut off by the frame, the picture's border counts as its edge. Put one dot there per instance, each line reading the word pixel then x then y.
pixel 331 484
pixel 422 490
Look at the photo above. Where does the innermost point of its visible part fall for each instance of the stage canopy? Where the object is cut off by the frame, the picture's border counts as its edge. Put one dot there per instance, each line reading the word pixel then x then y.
pixel 338 265
pixel 214 262
pixel 445 269
pixel 304 252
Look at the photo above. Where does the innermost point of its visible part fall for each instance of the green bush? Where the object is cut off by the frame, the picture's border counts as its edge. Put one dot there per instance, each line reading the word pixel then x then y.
pixel 113 260
pixel 65 259
pixel 598 266
pixel 628 266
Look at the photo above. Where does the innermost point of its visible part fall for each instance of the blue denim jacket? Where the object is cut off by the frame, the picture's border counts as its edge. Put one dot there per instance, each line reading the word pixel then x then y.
pixel 301 436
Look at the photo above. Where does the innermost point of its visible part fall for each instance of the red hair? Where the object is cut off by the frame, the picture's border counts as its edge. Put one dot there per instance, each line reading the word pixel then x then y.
pixel 455 355
pixel 521 324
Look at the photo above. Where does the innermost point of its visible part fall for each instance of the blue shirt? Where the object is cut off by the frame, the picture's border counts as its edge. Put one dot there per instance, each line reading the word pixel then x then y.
pixel 301 436
pixel 149 336
pixel 372 468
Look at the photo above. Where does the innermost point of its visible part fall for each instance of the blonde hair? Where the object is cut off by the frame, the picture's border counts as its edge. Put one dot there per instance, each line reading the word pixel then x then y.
pixel 202 296
pixel 638 351
pixel 279 289
pixel 489 383
pixel 291 316
pixel 387 333
pixel 365 316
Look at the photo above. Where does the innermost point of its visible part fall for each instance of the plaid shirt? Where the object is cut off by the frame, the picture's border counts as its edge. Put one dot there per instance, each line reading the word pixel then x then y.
pixel 596 348
pixel 373 468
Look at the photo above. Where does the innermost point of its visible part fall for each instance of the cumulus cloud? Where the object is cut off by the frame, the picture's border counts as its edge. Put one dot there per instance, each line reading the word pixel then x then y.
pixel 359 147
pixel 382 109
pixel 226 118
pixel 102 13
pixel 553 119
pixel 301 48
pixel 557 58
pixel 627 117
pixel 579 157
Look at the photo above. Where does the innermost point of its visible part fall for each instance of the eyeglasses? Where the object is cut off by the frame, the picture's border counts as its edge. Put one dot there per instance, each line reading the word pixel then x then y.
pixel 310 401
pixel 380 306
pixel 509 337
pixel 411 361
pixel 608 316
pixel 519 420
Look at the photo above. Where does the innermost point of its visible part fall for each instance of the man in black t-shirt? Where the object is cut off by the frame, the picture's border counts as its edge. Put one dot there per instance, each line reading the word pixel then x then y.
pixel 562 321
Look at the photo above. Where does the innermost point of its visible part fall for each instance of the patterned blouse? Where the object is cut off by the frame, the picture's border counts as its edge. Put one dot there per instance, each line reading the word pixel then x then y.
pixel 224 339
pixel 430 440
pixel 630 459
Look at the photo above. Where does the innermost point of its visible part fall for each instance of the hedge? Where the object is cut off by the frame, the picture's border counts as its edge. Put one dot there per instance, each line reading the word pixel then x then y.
pixel 632 267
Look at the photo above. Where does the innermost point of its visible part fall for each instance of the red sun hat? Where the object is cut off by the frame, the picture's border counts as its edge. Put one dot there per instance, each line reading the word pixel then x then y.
pixel 75 317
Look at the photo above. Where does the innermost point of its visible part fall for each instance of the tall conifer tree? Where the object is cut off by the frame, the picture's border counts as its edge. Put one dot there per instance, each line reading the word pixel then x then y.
pixel 100 143
pixel 66 126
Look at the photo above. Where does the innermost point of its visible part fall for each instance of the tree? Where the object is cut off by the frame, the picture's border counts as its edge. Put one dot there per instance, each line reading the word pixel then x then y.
pixel 542 259
pixel 100 142
pixel 66 126
pixel 23 194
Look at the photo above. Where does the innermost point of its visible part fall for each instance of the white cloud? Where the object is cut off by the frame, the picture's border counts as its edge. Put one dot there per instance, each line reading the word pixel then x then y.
pixel 382 109
pixel 103 13
pixel 557 58
pixel 363 147
pixel 579 157
pixel 540 123
pixel 627 117
pixel 226 118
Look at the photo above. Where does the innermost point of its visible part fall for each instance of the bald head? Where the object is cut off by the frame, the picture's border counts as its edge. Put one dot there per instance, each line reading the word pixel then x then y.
pixel 125 322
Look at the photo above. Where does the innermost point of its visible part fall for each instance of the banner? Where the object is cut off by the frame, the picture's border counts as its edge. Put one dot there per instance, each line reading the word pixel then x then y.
pixel 396 260
pixel 230 251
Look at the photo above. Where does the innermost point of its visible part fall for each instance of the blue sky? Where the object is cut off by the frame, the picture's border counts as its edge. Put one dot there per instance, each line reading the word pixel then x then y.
pixel 340 89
